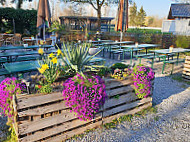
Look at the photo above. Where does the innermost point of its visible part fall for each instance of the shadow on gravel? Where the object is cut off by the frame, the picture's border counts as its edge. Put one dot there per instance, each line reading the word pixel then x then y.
pixel 164 87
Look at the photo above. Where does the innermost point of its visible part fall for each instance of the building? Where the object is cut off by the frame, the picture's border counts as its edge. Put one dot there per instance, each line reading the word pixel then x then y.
pixel 178 21
pixel 80 22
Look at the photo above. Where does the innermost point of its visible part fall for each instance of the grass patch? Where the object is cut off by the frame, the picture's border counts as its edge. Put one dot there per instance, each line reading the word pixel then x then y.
pixel 129 118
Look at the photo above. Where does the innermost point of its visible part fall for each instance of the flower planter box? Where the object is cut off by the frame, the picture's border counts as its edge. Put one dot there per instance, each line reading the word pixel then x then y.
pixel 46 118
pixel 186 69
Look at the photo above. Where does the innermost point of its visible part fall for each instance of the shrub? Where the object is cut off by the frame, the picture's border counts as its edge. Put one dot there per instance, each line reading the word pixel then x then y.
pixel 142 77
pixel 182 41
pixel 119 66
pixel 84 95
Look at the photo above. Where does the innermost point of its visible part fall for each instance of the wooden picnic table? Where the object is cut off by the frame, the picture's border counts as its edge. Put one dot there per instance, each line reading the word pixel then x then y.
pixel 140 46
pixel 166 52
pixel 3 49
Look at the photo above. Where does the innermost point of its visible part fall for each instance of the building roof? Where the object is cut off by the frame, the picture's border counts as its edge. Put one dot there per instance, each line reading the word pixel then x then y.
pixel 180 10
pixel 85 17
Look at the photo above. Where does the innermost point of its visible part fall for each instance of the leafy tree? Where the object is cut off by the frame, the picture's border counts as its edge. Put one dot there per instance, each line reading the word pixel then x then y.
pixel 141 17
pixel 19 2
pixel 97 5
pixel 133 15
pixel 24 19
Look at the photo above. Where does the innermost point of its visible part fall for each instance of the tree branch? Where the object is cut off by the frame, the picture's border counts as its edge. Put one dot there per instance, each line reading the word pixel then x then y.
pixel 102 3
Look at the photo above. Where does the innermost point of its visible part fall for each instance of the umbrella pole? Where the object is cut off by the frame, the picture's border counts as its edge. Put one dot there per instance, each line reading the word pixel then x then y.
pixel 44 30
pixel 121 36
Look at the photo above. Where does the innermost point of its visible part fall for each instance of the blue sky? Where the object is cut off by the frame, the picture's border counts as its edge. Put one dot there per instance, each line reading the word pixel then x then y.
pixel 155 7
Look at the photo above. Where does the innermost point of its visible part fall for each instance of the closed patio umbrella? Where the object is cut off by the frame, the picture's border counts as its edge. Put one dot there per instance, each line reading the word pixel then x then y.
pixel 44 15
pixel 122 17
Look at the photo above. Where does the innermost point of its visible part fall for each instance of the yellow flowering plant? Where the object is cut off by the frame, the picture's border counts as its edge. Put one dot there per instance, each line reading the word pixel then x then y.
pixel 49 67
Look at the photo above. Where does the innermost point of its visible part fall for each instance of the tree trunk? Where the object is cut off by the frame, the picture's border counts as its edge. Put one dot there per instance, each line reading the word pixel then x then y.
pixel 19 4
pixel 99 18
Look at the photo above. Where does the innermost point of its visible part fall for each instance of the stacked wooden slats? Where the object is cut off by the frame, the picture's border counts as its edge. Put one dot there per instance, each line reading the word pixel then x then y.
pixel 47 118
pixel 186 69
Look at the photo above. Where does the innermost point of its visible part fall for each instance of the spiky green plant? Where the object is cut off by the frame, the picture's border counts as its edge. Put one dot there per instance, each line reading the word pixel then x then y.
pixel 76 57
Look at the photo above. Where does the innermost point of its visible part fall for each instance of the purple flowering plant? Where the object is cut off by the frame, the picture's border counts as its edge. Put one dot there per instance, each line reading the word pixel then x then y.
pixel 8 88
pixel 142 77
pixel 84 95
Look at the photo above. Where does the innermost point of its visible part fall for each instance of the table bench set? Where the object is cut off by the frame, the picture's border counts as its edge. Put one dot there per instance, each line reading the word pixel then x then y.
pixel 15 62
pixel 163 55
pixel 25 61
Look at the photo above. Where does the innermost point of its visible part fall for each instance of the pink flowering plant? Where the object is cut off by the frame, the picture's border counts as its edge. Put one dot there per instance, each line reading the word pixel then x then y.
pixel 84 95
pixel 142 77
pixel 8 88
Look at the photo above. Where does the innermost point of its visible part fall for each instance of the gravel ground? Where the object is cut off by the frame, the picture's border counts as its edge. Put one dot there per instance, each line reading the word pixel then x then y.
pixel 170 124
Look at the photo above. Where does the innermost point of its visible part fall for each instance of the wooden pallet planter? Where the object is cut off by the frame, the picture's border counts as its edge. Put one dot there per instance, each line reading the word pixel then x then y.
pixel 186 69
pixel 47 118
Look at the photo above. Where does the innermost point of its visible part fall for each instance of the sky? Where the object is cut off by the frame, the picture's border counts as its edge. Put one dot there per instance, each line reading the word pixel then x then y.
pixel 155 7
pixel 152 7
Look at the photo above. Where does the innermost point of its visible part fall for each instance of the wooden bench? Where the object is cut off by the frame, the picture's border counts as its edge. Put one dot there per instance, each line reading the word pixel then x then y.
pixel 175 61
pixel 186 69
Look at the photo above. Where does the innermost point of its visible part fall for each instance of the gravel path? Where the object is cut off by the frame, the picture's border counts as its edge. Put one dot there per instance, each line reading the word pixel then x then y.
pixel 170 124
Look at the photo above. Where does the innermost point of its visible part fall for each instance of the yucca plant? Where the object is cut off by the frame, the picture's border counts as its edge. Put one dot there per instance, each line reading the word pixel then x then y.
pixel 77 59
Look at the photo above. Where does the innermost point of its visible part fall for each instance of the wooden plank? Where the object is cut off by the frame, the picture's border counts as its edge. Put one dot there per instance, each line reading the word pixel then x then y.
pixel 118 83
pixel 186 77
pixel 186 73
pixel 187 57
pixel 117 91
pixel 126 107
pixel 43 110
pixel 128 112
pixel 15 124
pixel 122 99
pixel 56 130
pixel 46 122
pixel 186 69
pixel 187 66
pixel 69 134
pixel 38 100
pixel 187 62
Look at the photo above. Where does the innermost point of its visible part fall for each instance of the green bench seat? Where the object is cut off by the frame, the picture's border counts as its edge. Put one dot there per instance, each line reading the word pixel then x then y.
pixel 27 58
pixel 173 62
pixel 3 60
pixel 143 55
pixel 3 71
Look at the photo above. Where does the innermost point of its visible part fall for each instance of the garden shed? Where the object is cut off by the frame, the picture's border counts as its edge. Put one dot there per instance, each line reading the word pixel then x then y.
pixel 178 21
pixel 79 22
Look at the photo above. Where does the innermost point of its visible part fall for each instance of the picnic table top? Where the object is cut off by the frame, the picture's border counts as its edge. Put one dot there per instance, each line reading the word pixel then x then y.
pixel 116 43
pixel 31 65
pixel 167 51
pixel 21 66
pixel 98 41
pixel 22 47
pixel 141 46
pixel 23 53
